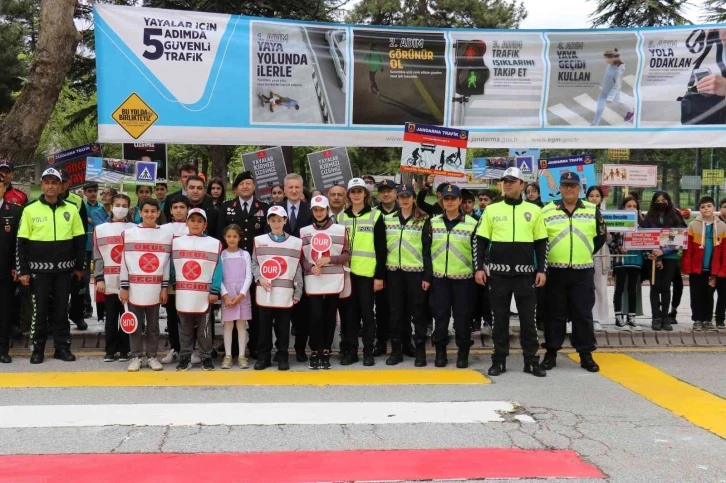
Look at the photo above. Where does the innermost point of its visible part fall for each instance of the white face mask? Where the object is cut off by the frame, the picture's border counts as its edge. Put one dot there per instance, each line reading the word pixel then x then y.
pixel 119 212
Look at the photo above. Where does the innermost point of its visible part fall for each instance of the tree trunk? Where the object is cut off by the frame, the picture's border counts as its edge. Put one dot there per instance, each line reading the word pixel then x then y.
pixel 205 166
pixel 220 159
pixel 21 129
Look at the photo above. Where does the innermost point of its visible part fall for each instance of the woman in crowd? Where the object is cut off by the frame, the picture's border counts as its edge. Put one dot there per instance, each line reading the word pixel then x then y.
pixel 532 194
pixel 216 190
pixel 627 265
pixel 600 314
pixel 277 194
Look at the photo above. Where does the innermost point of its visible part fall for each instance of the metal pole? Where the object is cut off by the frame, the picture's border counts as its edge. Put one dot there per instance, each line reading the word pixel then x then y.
pixel 713 188
pixel 698 172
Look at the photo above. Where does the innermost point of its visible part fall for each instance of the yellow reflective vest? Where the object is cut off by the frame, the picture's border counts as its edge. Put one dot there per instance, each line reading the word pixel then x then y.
pixel 452 252
pixel 570 236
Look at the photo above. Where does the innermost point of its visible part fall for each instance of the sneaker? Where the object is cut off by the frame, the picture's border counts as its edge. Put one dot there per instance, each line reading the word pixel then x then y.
pixel 101 322
pixel 631 323
pixel 629 116
pixel 568 330
pixel 124 357
pixel 185 364
pixel 207 364
pixel 196 359
pixel 135 365
pixel 313 362
pixel 708 325
pixel 666 325
pixel 597 326
pixel 162 313
pixel 154 364
pixel 657 324
pixel 720 324
pixel 672 317
pixel 109 358
pixel 226 362
pixel 243 363
pixel 170 357
pixel 620 322
pixel 486 329
pixel 697 326
pixel 324 360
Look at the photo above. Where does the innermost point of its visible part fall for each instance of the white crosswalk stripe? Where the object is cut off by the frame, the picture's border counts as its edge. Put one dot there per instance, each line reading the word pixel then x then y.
pixel 570 117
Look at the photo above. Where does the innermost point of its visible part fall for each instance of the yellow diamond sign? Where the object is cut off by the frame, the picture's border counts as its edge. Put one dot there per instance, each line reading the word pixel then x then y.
pixel 135 116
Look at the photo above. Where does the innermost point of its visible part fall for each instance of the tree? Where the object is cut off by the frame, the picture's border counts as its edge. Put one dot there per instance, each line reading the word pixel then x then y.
pixel 715 11
pixel 21 129
pixel 639 13
pixel 13 70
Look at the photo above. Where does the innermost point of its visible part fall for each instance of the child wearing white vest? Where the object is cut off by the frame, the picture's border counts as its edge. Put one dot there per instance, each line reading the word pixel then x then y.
pixel 197 277
pixel 277 271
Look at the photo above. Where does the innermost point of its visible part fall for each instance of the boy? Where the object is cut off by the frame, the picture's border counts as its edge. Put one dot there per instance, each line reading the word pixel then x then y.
pixel 703 263
pixel 144 281
pixel 197 273
pixel 160 191
pixel 277 271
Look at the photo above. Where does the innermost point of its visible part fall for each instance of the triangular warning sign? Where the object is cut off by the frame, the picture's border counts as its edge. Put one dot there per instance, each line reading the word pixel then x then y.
pixel 145 175
pixel 524 167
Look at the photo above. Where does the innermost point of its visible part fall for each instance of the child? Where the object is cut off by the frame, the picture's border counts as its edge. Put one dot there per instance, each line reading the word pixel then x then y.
pixel 197 275
pixel 721 283
pixel 177 227
pixel 144 281
pixel 324 278
pixel 611 85
pixel 626 269
pixel 703 262
pixel 237 308
pixel 277 256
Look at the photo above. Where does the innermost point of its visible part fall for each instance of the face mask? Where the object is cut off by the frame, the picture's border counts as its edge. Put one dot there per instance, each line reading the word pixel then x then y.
pixel 119 212
pixel 661 206
pixel 370 187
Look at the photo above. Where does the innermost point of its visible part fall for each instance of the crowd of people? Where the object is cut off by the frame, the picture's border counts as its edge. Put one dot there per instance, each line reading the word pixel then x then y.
pixel 383 271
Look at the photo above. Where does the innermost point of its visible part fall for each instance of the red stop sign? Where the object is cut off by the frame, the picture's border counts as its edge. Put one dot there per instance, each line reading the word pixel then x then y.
pixel 129 323
pixel 321 242
pixel 116 253
pixel 149 263
pixel 282 262
pixel 270 269
pixel 192 270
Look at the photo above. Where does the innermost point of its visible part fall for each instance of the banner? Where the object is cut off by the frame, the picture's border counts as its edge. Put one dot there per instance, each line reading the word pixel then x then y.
pixel 551 169
pixel 195 77
pixel 469 181
pixel 268 168
pixel 73 162
pixel 620 220
pixel 433 150
pixel 116 171
pixel 490 168
pixel 629 175
pixel 329 168
pixel 657 238
pixel 155 152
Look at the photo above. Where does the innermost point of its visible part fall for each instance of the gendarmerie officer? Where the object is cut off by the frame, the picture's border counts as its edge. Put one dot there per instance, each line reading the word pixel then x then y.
pixel 515 234
pixel 250 214
pixel 51 245
pixel 9 221
pixel 576 230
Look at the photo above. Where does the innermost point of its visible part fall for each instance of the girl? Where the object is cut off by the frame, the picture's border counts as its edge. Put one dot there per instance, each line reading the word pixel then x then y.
pixel 602 267
pixel 326 256
pixel 315 193
pixel 367 238
pixel 277 194
pixel 611 85
pixel 107 253
pixel 627 272
pixel 143 192
pixel 216 191
pixel 237 309
pixel 662 214
pixel 408 236
pixel 533 194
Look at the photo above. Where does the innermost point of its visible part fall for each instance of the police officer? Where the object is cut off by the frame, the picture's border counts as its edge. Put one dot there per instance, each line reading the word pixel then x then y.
pixel 9 220
pixel 515 234
pixel 453 254
pixel 250 214
pixel 77 311
pixel 576 230
pixel 51 244
pixel 387 205
pixel 12 194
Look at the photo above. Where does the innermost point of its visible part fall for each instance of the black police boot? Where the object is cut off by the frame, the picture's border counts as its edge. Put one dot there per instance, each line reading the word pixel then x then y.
pixel 657 324
pixel 283 364
pixel 81 324
pixel 368 359
pixel 588 363
pixel 324 362
pixel 549 361
pixel 380 349
pixel 262 363
pixel 64 354
pixel 441 359
pixel 276 357
pixel 4 356
pixel 498 368
pixel 38 354
pixel 396 356
pixel 350 358
pixel 462 357
pixel 420 355
pixel 534 368
pixel 408 348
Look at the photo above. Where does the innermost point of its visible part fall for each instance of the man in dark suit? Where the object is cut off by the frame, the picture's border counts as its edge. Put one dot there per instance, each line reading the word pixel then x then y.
pixel 186 171
pixel 250 214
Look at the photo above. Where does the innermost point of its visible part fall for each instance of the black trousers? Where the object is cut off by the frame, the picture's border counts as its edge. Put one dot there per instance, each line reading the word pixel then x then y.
pixel 660 291
pixel 701 297
pixel 323 310
pixel 721 301
pixel 270 318
pixel 406 301
pixel 301 321
pixel 116 339
pixel 79 292
pixel 383 315
pixel 570 296
pixel 541 309
pixel 172 322
pixel 501 290
pixel 452 296
pixel 359 307
pixel 7 290
pixel 50 299
pixel 677 288
pixel 626 276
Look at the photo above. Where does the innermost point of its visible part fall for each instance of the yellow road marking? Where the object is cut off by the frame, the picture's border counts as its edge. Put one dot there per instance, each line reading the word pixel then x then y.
pixel 242 378
pixel 428 99
pixel 695 405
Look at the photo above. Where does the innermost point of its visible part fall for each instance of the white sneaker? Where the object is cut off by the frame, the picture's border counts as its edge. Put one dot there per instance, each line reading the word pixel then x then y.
pixel 134 365
pixel 101 322
pixel 196 359
pixel 569 328
pixel 598 326
pixel 162 313
pixel 170 357
pixel 154 364
pixel 486 330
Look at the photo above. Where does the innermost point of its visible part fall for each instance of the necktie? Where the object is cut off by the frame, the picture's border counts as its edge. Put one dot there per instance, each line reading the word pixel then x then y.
pixel 293 218
pixel 245 211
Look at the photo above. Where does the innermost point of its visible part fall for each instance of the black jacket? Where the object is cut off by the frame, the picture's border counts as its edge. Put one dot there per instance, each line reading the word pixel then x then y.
pixel 212 215
pixel 170 201
pixel 9 223
pixel 252 224
pixel 303 218
pixel 431 210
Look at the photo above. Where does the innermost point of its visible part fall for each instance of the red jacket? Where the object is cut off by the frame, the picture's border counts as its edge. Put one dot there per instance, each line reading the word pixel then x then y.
pixel 15 196
pixel 692 262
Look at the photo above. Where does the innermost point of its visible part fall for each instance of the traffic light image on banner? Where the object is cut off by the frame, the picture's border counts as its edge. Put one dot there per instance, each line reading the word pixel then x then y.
pixel 471 71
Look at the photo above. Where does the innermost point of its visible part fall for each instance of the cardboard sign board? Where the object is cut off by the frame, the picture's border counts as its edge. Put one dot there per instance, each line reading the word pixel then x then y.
pixel 431 149
pixel 657 238
pixel 620 221
pixel 640 176
pixel 268 168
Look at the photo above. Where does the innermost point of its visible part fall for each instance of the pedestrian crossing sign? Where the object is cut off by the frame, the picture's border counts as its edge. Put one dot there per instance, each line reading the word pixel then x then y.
pixel 524 167
pixel 146 172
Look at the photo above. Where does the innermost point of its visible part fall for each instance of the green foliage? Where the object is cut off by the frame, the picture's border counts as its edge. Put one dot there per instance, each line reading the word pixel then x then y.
pixel 639 13
pixel 13 68
pixel 715 11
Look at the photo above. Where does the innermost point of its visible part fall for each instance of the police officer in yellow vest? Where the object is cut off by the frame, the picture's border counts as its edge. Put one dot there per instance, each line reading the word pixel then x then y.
pixel 453 254
pixel 513 234
pixel 576 230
